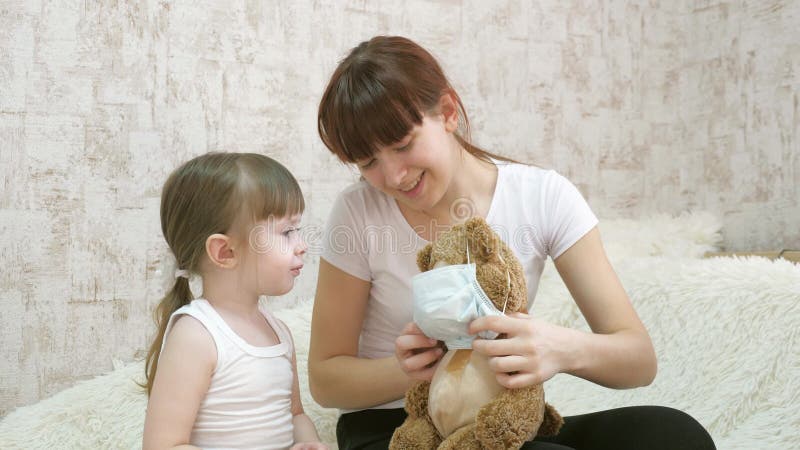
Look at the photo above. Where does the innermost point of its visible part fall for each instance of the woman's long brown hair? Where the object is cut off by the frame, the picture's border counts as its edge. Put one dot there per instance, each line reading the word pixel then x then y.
pixel 378 93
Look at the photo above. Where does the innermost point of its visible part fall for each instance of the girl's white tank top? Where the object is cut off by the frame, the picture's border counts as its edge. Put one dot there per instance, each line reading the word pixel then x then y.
pixel 249 401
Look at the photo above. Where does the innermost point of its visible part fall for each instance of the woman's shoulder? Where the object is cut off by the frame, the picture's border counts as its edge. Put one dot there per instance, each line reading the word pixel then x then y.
pixel 360 191
pixel 360 199
pixel 522 175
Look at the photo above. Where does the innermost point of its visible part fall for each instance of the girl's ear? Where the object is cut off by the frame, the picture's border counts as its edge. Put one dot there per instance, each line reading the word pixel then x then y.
pixel 448 108
pixel 220 251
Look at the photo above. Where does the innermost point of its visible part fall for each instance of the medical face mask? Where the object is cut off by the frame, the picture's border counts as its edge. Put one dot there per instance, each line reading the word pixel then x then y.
pixel 447 299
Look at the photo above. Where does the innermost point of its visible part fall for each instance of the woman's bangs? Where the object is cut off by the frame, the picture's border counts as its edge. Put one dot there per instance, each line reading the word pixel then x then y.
pixel 368 115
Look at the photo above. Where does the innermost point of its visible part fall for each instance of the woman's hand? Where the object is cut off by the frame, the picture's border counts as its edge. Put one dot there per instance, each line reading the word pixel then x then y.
pixel 531 352
pixel 309 446
pixel 417 354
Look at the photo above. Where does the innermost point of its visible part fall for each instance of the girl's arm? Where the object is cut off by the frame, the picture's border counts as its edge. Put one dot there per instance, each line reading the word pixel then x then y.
pixel 182 380
pixel 337 377
pixel 305 433
pixel 617 353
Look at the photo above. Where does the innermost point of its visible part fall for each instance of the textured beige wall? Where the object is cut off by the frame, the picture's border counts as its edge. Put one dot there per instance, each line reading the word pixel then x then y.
pixel 646 105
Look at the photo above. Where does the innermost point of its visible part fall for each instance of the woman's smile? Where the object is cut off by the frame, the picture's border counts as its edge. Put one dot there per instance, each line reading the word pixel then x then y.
pixel 415 189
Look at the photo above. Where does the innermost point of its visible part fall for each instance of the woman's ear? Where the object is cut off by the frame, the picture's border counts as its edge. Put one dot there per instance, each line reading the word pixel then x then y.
pixel 448 108
pixel 220 251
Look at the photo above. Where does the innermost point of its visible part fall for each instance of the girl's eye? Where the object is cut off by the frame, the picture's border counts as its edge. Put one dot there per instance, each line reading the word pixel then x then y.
pixel 289 232
pixel 405 147
pixel 368 164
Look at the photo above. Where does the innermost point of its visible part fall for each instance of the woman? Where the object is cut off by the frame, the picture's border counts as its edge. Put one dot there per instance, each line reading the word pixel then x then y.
pixel 390 110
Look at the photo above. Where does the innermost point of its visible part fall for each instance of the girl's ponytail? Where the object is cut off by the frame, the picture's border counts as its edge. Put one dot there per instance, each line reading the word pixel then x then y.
pixel 180 295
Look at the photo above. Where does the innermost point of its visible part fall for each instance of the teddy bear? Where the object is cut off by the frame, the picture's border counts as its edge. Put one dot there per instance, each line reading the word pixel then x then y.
pixel 463 406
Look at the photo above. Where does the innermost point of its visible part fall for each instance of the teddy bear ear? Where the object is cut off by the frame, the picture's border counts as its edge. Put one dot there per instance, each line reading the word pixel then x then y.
pixel 481 238
pixel 424 258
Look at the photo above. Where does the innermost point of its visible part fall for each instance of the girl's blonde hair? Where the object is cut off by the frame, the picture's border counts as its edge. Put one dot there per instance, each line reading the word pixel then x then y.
pixel 210 194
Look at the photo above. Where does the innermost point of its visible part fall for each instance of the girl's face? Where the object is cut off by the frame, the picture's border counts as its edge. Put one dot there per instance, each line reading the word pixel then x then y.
pixel 417 170
pixel 276 254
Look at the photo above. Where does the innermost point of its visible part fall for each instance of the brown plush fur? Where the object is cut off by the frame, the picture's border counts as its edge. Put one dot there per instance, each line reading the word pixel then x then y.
pixel 515 415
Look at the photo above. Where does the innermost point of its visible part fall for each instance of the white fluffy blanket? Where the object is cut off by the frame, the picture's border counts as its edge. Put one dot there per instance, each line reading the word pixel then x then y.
pixel 726 332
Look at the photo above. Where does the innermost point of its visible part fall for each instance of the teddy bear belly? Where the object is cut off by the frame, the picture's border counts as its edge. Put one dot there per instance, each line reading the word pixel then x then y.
pixel 461 385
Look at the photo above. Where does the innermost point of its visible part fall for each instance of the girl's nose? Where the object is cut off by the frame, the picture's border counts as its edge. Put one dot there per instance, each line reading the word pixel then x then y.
pixel 301 247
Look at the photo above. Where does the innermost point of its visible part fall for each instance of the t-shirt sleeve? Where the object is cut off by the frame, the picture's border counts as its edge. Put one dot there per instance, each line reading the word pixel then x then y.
pixel 567 216
pixel 343 243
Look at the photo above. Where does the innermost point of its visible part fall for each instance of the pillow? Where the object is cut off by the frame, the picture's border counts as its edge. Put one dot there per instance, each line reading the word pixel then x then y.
pixel 691 234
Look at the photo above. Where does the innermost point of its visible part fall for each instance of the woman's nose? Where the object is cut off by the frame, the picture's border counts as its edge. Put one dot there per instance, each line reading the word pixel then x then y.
pixel 395 170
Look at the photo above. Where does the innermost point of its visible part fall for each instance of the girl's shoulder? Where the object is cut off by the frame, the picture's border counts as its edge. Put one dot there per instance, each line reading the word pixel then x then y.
pixel 186 327
pixel 188 335
pixel 192 322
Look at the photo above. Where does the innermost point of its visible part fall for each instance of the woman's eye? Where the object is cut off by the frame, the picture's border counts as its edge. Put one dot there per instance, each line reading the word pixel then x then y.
pixel 405 147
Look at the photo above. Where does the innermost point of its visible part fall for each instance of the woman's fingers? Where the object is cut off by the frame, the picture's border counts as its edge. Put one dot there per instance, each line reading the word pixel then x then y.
pixel 416 353
pixel 503 347
pixel 420 366
pixel 516 380
pixel 409 342
pixel 508 364
pixel 499 324
pixel 411 328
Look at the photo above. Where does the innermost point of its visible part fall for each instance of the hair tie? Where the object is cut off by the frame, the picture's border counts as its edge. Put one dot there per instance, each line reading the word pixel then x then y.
pixel 181 273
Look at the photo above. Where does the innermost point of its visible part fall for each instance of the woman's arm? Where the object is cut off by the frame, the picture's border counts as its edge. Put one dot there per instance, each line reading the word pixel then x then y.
pixel 617 353
pixel 182 380
pixel 337 377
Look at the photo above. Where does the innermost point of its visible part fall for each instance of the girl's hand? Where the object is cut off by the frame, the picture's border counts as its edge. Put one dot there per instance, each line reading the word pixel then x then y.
pixel 309 446
pixel 417 354
pixel 529 354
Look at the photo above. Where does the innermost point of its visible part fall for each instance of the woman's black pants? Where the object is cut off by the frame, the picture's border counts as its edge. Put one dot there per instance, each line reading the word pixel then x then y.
pixel 630 428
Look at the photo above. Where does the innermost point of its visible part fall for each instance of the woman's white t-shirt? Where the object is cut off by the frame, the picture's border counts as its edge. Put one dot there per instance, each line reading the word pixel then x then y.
pixel 537 213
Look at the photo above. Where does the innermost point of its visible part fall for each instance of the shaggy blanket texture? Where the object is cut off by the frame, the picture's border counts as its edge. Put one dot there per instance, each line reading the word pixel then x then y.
pixel 725 330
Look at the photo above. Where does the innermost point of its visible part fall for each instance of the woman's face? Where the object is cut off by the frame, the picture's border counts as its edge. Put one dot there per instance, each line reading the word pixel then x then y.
pixel 417 170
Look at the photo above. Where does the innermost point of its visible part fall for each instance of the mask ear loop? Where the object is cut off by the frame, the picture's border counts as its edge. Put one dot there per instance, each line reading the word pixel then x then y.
pixel 508 276
pixel 508 281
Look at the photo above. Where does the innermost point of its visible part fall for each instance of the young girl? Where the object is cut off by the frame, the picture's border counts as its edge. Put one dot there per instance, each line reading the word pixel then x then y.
pixel 390 110
pixel 221 372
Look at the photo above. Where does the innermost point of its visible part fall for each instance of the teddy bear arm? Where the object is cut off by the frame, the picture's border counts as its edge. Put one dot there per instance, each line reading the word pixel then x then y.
pixel 551 423
pixel 512 418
